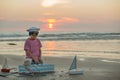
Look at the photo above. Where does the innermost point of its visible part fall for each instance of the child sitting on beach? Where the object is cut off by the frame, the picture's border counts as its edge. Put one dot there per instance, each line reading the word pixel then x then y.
pixel 33 46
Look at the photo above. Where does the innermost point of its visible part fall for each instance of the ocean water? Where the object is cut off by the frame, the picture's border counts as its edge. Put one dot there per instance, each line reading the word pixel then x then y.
pixel 61 36
pixel 104 45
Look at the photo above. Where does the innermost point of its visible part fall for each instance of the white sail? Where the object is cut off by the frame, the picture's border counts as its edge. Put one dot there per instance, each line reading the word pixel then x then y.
pixel 74 64
pixel 73 68
pixel 5 65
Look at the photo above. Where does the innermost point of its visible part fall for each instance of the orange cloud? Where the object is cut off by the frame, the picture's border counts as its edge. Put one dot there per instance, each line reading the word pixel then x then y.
pixel 92 21
pixel 27 19
pixel 8 19
pixel 58 21
pixel 68 20
pixel 61 20
pixel 45 20
pixel 2 18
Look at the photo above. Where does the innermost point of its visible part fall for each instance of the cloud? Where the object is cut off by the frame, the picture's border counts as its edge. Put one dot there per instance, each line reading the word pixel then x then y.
pixel 62 20
pixel 68 20
pixel 44 20
pixel 2 18
pixel 50 3
pixel 48 14
pixel 7 19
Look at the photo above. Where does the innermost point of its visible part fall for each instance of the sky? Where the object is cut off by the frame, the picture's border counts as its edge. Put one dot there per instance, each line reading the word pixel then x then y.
pixel 60 15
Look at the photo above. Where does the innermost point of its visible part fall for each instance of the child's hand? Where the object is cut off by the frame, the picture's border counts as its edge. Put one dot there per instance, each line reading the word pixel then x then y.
pixel 36 60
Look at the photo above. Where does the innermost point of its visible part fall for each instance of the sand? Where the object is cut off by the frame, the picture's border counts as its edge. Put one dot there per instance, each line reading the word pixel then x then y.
pixel 94 68
pixel 100 59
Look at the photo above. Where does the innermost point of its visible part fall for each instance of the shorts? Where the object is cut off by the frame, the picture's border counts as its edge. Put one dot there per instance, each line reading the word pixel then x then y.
pixel 40 61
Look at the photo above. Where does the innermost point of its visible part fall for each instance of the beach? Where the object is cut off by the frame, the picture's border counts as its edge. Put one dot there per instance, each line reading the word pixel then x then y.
pixel 94 69
pixel 99 59
pixel 74 36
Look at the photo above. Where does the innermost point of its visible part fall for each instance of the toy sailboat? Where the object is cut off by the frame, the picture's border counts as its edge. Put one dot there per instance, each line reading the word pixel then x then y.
pixel 73 70
pixel 5 71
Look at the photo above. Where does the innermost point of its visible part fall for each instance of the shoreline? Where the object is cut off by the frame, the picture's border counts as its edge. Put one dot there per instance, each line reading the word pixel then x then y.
pixel 93 49
pixel 61 39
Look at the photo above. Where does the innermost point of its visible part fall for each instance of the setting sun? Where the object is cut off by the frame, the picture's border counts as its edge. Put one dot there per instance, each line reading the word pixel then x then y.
pixel 50 26
pixel 51 22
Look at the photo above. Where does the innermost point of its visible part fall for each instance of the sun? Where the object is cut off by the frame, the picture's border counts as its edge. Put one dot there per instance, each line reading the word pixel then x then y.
pixel 51 20
pixel 49 3
pixel 50 25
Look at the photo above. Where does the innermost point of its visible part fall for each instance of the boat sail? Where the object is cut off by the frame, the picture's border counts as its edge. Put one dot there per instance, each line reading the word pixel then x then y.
pixel 73 70
pixel 74 64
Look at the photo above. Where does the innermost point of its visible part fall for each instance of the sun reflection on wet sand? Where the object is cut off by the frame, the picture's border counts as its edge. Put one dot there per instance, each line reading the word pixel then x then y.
pixel 50 45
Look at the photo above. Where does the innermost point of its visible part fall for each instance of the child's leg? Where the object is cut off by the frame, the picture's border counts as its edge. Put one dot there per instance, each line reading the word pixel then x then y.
pixel 40 61
pixel 32 62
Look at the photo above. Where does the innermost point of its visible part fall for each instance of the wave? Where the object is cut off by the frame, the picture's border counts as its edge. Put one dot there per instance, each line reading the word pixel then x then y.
pixel 61 36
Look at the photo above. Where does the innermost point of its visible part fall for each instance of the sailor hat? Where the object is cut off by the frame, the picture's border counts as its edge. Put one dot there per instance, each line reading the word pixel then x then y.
pixel 33 29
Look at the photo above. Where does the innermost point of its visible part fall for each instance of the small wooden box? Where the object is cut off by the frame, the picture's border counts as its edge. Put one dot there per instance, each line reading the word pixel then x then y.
pixel 36 68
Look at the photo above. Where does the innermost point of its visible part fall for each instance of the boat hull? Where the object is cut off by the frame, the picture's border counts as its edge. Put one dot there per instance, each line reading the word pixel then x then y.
pixel 75 72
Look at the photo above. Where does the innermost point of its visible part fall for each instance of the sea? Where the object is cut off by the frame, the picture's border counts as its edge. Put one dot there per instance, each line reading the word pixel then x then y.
pixel 101 45
pixel 61 36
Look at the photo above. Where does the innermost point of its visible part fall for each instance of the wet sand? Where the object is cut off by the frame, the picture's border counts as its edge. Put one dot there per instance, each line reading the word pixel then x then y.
pixel 94 68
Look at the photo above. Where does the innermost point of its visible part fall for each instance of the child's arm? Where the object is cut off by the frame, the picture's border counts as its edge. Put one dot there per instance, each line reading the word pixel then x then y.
pixel 40 53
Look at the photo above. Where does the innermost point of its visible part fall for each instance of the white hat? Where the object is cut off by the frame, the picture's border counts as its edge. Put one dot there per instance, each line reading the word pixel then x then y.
pixel 33 29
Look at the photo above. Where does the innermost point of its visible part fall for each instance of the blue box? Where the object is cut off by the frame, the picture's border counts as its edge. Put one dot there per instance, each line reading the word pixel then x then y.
pixel 36 68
